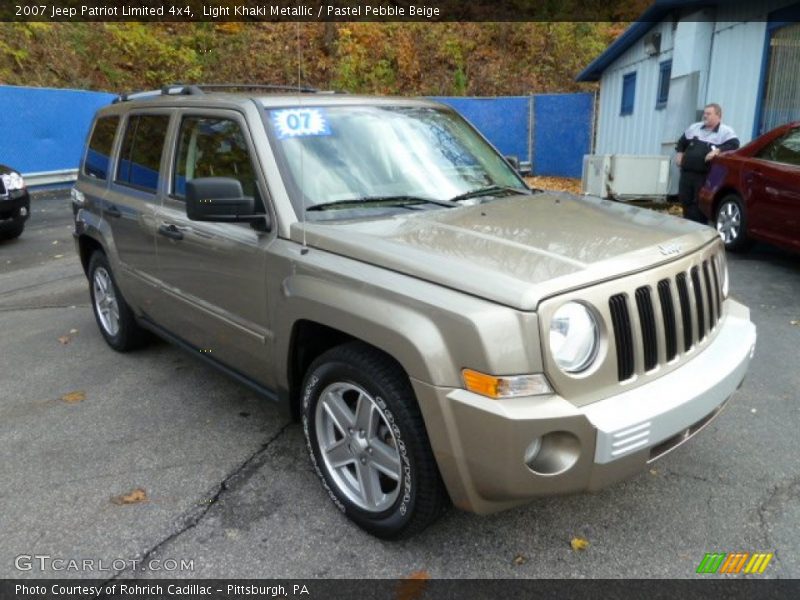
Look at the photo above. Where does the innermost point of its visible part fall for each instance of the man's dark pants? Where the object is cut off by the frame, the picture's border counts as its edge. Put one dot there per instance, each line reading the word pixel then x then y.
pixel 688 190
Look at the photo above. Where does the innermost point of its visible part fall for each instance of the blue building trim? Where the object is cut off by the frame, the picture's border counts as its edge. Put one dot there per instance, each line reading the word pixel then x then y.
pixel 788 15
pixel 653 15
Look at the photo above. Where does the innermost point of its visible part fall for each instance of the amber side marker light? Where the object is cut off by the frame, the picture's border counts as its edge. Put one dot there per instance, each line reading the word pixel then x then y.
pixel 498 387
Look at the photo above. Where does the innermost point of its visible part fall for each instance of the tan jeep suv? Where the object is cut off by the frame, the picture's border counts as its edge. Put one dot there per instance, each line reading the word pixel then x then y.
pixel 443 331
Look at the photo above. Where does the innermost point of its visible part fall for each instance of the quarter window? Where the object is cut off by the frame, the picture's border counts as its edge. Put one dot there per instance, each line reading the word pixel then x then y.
pixel 99 151
pixel 212 147
pixel 628 93
pixel 142 146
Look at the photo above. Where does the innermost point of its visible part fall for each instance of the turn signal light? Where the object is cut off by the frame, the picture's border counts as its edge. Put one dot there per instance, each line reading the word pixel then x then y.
pixel 513 386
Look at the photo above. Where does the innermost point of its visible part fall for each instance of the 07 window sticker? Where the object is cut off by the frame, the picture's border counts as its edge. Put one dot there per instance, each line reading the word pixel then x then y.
pixel 300 122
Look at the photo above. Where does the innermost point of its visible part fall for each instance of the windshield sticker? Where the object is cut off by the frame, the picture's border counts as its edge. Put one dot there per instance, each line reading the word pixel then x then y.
pixel 300 122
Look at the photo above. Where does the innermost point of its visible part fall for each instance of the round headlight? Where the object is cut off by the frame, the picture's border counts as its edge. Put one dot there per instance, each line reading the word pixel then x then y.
pixel 574 337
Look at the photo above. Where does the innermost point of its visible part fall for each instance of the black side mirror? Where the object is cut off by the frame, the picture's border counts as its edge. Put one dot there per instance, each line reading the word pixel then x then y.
pixel 218 199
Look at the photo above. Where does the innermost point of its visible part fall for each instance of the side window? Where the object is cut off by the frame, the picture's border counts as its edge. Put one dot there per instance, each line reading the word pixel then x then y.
pixel 786 150
pixel 212 147
pixel 140 155
pixel 99 152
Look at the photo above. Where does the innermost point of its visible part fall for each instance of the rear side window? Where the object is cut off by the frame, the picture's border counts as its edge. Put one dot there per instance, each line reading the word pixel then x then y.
pixel 142 146
pixel 100 144
pixel 212 147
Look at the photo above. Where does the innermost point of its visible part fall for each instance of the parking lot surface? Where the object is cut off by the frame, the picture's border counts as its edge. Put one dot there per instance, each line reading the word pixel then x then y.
pixel 139 459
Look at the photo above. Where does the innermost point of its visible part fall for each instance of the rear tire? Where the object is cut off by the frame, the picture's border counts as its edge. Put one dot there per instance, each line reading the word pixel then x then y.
pixel 368 443
pixel 731 223
pixel 114 317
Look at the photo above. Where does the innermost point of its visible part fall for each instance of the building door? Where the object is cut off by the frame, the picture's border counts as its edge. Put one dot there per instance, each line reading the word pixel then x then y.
pixel 781 103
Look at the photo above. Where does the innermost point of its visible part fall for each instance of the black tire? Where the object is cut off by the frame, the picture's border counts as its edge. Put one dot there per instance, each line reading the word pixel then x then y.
pixel 127 335
pixel 731 223
pixel 13 232
pixel 418 497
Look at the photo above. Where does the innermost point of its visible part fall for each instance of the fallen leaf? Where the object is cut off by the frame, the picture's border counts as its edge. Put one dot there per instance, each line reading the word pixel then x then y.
pixel 64 340
pixel 653 472
pixel 520 559
pixel 753 410
pixel 73 331
pixel 795 323
pixel 134 497
pixel 74 397
pixel 55 242
pixel 412 586
pixel 579 543
pixel 58 256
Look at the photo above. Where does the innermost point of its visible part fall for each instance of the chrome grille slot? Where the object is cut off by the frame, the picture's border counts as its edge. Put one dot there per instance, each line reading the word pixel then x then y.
pixel 713 311
pixel 698 301
pixel 717 288
pixel 618 305
pixel 668 313
pixel 647 320
pixel 686 311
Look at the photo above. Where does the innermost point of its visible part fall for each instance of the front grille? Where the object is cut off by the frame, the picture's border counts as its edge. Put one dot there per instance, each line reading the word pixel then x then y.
pixel 688 301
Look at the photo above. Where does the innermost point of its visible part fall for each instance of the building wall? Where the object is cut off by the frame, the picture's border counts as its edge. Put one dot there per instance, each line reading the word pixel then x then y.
pixel 640 132
pixel 727 55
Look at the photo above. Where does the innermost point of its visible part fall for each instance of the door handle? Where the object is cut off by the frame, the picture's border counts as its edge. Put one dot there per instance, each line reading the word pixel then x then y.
pixel 171 231
pixel 112 211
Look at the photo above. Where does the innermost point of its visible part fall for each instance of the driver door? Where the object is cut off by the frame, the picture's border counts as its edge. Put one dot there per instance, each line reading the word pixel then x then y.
pixel 214 274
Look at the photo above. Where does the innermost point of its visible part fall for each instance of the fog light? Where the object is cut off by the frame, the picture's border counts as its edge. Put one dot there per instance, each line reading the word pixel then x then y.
pixel 533 451
pixel 553 454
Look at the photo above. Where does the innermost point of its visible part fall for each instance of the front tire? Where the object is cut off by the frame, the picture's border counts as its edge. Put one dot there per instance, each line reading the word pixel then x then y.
pixel 114 317
pixel 13 232
pixel 731 223
pixel 368 443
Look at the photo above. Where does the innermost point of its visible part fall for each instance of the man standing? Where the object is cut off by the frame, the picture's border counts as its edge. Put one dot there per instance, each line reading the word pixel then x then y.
pixel 698 145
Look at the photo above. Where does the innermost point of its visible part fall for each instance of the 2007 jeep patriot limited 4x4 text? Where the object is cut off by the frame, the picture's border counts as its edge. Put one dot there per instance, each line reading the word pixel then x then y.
pixel 442 330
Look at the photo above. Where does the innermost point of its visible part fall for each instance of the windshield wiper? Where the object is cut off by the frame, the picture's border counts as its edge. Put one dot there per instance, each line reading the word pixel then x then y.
pixel 489 190
pixel 370 201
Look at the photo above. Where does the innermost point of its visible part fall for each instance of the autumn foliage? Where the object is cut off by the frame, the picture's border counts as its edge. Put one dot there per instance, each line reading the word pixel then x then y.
pixel 481 59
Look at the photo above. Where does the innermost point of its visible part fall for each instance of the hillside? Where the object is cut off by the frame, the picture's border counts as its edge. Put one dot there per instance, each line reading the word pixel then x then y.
pixel 482 59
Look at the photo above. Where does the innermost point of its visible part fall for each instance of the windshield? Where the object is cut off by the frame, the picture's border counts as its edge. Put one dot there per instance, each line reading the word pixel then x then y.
pixel 342 155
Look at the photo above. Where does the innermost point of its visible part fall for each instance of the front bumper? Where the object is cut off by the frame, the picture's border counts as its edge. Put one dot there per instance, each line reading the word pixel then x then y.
pixel 15 206
pixel 481 444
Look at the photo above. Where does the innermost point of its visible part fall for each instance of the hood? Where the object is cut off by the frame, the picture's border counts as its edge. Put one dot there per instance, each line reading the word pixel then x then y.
pixel 516 251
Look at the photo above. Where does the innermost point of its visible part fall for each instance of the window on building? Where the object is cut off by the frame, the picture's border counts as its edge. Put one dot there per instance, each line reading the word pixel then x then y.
pixel 628 93
pixel 664 74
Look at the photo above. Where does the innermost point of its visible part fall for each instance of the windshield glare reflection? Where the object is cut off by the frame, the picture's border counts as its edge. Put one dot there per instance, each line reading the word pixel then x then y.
pixel 341 153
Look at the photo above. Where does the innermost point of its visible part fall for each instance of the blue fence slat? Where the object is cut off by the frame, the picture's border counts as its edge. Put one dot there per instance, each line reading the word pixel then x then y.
pixel 504 121
pixel 45 129
pixel 562 133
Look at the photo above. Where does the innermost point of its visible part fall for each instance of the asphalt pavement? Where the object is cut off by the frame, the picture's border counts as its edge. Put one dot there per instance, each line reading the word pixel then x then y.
pixel 138 460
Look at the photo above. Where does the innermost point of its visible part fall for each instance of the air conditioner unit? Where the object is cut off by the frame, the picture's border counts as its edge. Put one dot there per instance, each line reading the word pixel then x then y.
pixel 626 176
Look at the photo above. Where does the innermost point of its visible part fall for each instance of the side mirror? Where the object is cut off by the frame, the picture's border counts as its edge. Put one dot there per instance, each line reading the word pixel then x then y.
pixel 218 199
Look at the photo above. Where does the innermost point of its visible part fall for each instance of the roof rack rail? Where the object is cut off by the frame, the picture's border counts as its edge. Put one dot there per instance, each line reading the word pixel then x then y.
pixel 197 89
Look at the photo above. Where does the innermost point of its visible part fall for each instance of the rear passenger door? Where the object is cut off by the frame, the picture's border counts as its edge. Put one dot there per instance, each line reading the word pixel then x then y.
pixel 130 205
pixel 214 274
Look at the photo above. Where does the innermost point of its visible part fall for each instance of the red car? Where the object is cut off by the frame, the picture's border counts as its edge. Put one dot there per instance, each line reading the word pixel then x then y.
pixel 753 193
